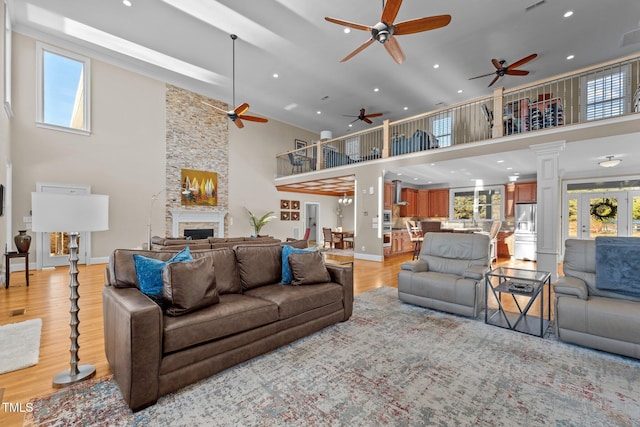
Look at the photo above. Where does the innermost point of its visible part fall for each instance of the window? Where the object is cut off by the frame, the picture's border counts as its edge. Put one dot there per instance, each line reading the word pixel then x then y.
pixel 63 90
pixel 478 204
pixel 441 127
pixel 606 93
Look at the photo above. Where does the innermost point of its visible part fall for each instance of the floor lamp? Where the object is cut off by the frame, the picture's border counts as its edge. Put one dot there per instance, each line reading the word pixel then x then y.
pixel 52 212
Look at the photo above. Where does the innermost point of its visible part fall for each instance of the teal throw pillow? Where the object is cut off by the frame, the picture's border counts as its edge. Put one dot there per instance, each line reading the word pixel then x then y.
pixel 287 250
pixel 149 271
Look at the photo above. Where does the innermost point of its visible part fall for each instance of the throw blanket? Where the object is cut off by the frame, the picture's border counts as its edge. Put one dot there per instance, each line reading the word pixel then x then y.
pixel 617 260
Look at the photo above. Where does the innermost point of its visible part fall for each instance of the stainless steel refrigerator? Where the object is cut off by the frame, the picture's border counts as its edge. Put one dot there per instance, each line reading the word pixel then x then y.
pixel 525 231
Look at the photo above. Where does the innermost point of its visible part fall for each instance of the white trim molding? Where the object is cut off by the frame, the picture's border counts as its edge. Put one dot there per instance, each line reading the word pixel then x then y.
pixel 183 215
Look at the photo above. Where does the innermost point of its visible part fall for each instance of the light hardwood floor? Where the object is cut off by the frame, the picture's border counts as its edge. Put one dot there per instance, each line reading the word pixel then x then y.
pixel 47 298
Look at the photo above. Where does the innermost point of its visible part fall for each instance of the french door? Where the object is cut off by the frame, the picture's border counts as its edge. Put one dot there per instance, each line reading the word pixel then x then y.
pixel 602 213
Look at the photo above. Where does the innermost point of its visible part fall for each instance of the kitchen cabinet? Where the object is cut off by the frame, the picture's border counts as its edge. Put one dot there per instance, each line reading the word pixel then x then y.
pixel 400 243
pixel 509 200
pixel 526 192
pixel 423 203
pixel 438 204
pixel 388 195
pixel 409 195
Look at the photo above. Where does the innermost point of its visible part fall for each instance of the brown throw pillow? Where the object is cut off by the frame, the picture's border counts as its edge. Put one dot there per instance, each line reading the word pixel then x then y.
pixel 189 286
pixel 308 268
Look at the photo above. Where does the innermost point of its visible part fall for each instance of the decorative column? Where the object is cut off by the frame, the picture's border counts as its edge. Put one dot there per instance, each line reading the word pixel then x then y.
pixel 548 225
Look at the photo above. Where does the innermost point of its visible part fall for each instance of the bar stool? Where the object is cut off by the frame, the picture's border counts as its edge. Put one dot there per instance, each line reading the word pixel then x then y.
pixel 416 236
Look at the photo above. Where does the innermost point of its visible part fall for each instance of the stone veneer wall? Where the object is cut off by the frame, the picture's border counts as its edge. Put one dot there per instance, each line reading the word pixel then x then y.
pixel 197 138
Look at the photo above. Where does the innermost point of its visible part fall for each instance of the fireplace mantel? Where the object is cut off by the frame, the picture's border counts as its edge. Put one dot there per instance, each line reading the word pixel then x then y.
pixel 184 215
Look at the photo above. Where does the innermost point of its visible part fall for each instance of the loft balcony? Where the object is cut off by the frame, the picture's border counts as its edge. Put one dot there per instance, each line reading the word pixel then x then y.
pixel 593 96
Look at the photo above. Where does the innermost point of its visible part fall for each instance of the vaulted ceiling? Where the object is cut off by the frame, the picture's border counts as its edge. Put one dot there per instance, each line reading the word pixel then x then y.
pixel 186 42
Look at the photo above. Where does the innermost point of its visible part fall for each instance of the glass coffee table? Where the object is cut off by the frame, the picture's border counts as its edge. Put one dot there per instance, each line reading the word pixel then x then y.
pixel 518 283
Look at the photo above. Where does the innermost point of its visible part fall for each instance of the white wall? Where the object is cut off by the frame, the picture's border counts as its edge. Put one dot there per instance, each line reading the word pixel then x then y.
pixel 5 141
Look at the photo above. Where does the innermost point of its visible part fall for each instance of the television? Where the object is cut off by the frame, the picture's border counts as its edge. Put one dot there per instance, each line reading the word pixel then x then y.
pixel 198 233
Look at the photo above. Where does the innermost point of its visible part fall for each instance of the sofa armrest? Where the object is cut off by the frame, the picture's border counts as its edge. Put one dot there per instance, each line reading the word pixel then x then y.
pixel 133 343
pixel 415 266
pixel 475 272
pixel 571 286
pixel 343 275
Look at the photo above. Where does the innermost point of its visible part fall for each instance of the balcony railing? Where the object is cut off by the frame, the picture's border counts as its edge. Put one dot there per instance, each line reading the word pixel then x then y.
pixel 608 90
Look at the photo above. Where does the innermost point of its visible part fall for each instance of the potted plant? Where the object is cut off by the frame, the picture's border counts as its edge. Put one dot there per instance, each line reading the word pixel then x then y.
pixel 258 223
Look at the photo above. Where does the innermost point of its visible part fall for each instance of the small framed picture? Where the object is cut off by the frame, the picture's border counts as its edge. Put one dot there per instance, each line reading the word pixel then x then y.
pixel 285 215
pixel 295 205
pixel 295 216
pixel 284 204
pixel 300 144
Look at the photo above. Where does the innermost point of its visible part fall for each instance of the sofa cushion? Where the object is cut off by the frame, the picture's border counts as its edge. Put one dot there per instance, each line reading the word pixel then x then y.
pixel 224 262
pixel 294 300
pixel 188 286
pixel 442 287
pixel 307 268
pixel 149 271
pixel 122 269
pixel 233 314
pixel 286 269
pixel 259 265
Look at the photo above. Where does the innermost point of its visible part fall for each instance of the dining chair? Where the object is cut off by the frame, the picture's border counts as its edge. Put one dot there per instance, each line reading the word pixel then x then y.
pixel 296 163
pixel 328 237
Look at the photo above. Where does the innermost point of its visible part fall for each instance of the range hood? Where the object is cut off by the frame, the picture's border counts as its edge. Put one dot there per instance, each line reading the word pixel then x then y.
pixel 397 197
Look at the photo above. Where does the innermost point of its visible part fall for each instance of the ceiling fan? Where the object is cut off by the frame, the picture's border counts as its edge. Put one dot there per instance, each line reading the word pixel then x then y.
pixel 237 114
pixel 501 69
pixel 364 117
pixel 385 30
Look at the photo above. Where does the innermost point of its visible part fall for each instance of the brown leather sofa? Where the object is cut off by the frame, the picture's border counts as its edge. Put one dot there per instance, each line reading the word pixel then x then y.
pixel 177 243
pixel 152 353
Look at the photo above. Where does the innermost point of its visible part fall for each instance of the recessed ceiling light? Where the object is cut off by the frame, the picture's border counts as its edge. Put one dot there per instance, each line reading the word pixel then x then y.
pixel 568 13
pixel 570 57
pixel 436 66
pixel 509 168
pixel 415 179
pixel 350 125
pixel 516 173
pixel 459 90
pixel 429 182
pixel 126 3
pixel 376 90
pixel 291 106
pixel 406 108
pixel 500 161
pixel 275 75
pixel 318 112
pixel 347 30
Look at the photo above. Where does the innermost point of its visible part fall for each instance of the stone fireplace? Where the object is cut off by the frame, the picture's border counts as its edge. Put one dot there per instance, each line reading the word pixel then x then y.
pixel 183 218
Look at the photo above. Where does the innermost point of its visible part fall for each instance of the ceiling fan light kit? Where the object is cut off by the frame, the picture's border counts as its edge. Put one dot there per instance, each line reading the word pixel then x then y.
pixel 386 30
pixel 237 114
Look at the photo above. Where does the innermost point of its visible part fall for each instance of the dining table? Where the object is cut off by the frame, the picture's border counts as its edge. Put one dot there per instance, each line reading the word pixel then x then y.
pixel 339 241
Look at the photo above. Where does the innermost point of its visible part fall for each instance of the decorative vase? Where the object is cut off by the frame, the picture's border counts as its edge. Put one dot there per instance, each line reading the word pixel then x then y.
pixel 23 241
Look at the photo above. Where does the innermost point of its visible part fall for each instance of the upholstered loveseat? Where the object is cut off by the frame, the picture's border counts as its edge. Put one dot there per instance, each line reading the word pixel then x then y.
pixel 222 308
pixel 448 274
pixel 588 312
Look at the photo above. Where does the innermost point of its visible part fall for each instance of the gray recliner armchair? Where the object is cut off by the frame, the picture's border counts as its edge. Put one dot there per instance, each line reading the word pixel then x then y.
pixel 589 316
pixel 448 275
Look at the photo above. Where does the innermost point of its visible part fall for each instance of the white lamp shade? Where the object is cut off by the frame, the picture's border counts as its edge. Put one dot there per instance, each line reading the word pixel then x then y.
pixel 69 213
pixel 326 134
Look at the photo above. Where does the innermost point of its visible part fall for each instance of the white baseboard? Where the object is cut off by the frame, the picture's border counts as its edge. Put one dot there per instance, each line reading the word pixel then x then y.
pixel 369 257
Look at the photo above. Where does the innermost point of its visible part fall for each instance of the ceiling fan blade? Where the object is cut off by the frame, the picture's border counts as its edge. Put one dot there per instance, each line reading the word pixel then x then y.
pixel 390 11
pixel 242 108
pixel 348 24
pixel 354 120
pixel 366 119
pixel 358 50
pixel 238 123
pixel 394 50
pixel 496 64
pixel 494 80
pixel 422 24
pixel 484 75
pixel 517 72
pixel 373 115
pixel 522 61
pixel 254 118
pixel 214 107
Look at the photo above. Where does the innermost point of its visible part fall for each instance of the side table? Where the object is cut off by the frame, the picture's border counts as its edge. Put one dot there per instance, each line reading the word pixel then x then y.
pixel 518 282
pixel 8 256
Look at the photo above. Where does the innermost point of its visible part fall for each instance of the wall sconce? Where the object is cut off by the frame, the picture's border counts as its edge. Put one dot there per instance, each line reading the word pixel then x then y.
pixel 610 162
pixel 345 201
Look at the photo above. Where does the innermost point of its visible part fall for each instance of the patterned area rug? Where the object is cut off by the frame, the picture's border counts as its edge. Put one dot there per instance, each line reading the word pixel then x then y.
pixel 391 364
